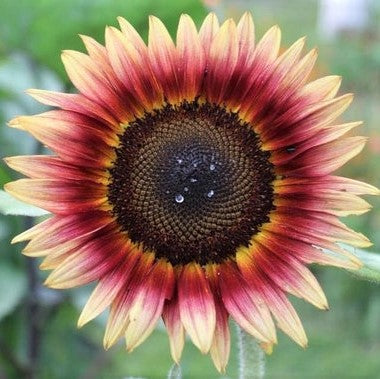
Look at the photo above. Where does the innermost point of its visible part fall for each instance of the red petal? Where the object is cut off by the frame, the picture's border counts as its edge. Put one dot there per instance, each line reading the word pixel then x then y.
pixel 164 59
pixel 268 47
pixel 99 56
pixel 244 304
pixel 275 94
pixel 324 159
pixel 132 36
pixel 207 33
pixel 119 314
pixel 222 60
pixel 220 347
pixel 309 226
pixel 84 144
pixel 75 103
pixel 290 275
pixel 107 289
pixel 68 228
pixel 94 84
pixel 174 326
pixel 277 302
pixel 133 69
pixel 304 140
pixel 35 230
pixel 196 306
pixel 244 69
pixel 59 196
pixel 311 185
pixel 330 202
pixel 302 117
pixel 90 262
pixel 191 58
pixel 51 167
pixel 307 253
pixel 257 77
pixel 146 307
pixel 321 89
pixel 246 39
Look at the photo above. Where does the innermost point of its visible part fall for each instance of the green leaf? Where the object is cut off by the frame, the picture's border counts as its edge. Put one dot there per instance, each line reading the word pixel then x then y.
pixel 13 287
pixel 371 265
pixel 175 372
pixel 11 206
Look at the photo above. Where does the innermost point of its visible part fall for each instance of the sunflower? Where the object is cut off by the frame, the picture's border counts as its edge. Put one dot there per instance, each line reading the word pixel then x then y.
pixel 193 181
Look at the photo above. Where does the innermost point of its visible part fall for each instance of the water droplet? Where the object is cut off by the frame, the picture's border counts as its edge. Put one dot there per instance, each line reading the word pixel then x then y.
pixel 212 167
pixel 179 161
pixel 210 193
pixel 179 198
pixel 291 149
pixel 185 189
pixel 195 164
pixel 193 180
pixel 167 191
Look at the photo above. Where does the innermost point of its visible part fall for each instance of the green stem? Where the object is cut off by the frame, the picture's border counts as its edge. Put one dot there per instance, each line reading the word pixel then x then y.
pixel 175 372
pixel 251 357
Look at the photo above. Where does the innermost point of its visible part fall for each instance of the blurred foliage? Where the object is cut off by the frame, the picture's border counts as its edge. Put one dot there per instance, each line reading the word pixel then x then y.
pixel 53 25
pixel 342 342
pixel 13 288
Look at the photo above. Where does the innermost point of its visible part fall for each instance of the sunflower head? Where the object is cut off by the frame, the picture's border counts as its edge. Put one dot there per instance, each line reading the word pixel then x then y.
pixel 193 181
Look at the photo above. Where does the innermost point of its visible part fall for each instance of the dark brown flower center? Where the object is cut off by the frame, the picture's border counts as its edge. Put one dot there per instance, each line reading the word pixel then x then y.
pixel 191 183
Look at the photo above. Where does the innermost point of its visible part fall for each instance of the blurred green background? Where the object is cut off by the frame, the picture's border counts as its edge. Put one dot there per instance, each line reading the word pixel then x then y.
pixel 38 334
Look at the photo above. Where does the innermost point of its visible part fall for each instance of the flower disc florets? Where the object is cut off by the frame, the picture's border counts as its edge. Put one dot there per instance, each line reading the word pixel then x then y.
pixel 191 183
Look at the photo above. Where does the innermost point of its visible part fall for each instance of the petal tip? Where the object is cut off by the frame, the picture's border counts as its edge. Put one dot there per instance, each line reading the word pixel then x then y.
pixel 48 282
pixel 43 265
pixel 347 98
pixel 83 37
pixel 129 347
pixel 14 123
pixel 8 187
pixel 106 345
pixel 314 52
pixel 247 14
pixel 153 19
pixel 229 25
pixel 267 347
pixel 31 91
pixel 65 52
pixel 122 21
pixel 185 15
pixel 221 368
pixel 276 29
pixel 15 240
pixel 82 320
